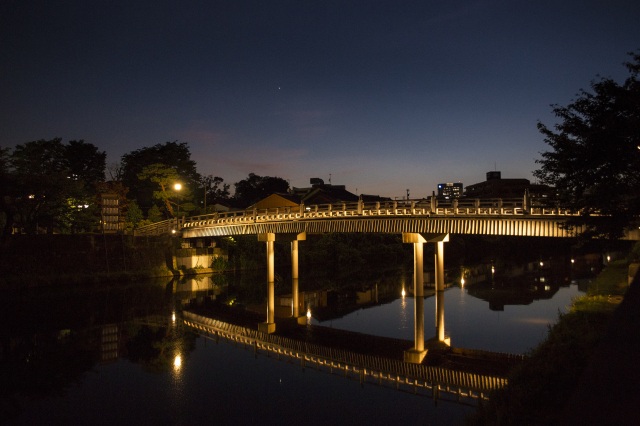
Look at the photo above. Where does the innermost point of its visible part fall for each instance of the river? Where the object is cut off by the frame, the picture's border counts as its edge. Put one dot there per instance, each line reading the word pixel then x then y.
pixel 120 355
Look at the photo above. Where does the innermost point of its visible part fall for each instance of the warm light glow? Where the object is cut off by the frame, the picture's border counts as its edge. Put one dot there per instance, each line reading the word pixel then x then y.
pixel 173 317
pixel 177 362
pixel 404 293
pixel 308 314
pixel 462 281
pixel 608 258
pixel 573 261
pixel 173 231
pixel 541 263
pixel 493 269
pixel 177 186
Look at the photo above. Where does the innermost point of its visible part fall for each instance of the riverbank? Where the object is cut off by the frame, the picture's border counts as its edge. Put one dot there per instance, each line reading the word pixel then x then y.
pixel 49 260
pixel 585 372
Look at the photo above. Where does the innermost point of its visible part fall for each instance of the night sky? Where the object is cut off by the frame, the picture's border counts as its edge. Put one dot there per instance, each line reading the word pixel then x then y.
pixel 383 96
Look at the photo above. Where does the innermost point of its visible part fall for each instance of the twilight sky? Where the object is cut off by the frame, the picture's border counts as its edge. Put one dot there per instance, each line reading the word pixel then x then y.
pixel 383 96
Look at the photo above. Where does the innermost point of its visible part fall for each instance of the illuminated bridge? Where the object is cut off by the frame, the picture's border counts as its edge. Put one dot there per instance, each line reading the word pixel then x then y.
pixel 512 217
pixel 419 222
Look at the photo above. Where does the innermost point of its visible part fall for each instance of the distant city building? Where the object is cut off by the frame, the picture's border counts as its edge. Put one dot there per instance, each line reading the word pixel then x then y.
pixel 449 191
pixel 496 187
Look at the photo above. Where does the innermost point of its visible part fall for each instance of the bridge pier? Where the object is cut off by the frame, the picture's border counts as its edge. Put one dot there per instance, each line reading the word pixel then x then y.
pixel 295 300
pixel 418 352
pixel 270 326
pixel 439 269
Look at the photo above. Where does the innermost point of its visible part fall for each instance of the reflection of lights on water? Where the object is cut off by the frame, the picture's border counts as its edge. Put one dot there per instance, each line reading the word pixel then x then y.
pixel 173 317
pixel 177 362
pixel 403 311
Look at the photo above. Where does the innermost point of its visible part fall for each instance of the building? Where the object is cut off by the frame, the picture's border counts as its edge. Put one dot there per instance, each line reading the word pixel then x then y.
pixel 318 193
pixel 496 187
pixel 112 220
pixel 448 191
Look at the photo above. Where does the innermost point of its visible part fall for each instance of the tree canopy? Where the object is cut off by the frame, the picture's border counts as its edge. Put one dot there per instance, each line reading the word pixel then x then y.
pixel 170 190
pixel 49 184
pixel 595 156
pixel 254 188
pixel 173 155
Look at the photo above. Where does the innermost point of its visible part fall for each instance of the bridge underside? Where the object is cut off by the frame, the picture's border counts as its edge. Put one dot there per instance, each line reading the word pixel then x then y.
pixel 509 226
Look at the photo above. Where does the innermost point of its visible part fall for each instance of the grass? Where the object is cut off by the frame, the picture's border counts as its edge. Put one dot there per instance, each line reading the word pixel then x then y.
pixel 539 387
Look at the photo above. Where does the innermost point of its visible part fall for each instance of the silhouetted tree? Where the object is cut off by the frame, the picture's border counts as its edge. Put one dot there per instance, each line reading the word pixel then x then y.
pixel 171 154
pixel 166 179
pixel 215 191
pixel 255 188
pixel 595 159
pixel 52 185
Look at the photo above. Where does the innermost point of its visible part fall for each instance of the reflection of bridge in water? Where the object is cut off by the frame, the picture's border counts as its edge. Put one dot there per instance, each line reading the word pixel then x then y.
pixel 418 221
pixel 367 368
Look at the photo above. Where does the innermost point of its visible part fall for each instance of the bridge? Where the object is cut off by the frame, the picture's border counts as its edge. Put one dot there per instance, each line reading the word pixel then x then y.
pixel 418 221
pixel 512 217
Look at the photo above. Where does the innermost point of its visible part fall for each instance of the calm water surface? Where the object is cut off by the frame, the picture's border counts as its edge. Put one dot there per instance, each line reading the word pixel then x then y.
pixel 116 356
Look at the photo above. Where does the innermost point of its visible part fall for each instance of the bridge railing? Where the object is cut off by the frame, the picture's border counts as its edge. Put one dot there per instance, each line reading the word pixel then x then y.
pixel 159 228
pixel 428 207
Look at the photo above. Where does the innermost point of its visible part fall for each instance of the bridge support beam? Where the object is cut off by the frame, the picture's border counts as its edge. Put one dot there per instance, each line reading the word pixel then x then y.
pixel 439 269
pixel 418 352
pixel 295 300
pixel 270 325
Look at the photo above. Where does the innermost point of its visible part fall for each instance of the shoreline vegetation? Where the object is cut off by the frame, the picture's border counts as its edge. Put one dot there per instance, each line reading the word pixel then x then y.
pixel 542 390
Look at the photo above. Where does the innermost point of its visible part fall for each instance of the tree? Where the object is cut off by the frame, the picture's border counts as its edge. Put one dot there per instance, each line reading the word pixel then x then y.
pixel 170 187
pixel 133 216
pixel 255 188
pixel 596 155
pixel 48 184
pixel 171 154
pixel 215 190
pixel 7 206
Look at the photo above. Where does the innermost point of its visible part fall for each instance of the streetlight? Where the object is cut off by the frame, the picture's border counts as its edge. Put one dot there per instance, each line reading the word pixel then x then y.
pixel 177 187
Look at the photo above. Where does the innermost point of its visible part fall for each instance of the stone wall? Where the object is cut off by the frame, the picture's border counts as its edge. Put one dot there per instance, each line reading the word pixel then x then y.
pixel 64 255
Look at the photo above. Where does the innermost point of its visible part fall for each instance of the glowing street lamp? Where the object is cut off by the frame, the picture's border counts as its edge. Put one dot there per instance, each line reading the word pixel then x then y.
pixel 177 187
